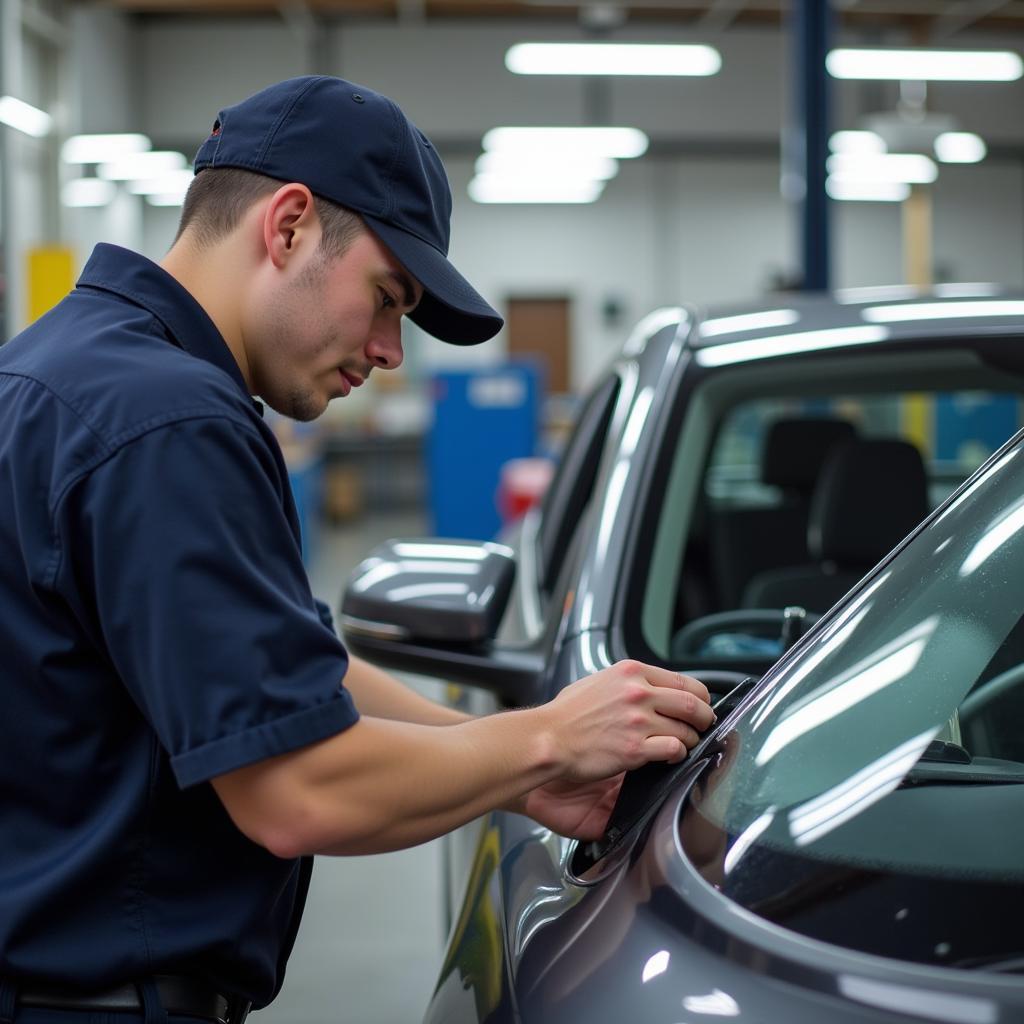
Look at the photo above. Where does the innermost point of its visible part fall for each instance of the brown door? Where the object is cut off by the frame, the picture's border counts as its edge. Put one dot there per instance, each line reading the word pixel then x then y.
pixel 539 327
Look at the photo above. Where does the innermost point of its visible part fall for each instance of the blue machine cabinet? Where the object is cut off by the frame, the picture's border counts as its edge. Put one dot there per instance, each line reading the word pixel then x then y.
pixel 482 418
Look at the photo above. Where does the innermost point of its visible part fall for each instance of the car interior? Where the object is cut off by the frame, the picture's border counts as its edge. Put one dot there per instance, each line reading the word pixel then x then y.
pixel 802 489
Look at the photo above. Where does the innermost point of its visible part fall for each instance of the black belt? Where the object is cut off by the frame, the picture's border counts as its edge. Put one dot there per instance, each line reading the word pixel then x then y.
pixel 185 997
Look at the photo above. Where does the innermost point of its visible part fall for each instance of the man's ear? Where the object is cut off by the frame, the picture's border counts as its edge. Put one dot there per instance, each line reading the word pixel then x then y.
pixel 290 223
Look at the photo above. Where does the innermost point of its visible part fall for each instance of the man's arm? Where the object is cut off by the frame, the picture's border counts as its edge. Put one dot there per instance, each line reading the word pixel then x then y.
pixel 571 809
pixel 383 785
pixel 379 695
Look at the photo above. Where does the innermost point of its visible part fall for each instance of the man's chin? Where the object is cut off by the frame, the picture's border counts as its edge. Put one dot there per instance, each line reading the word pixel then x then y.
pixel 303 407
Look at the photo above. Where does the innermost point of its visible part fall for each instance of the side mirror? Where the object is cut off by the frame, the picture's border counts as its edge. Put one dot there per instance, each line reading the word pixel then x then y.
pixel 433 606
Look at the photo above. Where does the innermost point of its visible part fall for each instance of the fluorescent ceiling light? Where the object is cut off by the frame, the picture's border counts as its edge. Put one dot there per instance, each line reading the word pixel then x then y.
pixel 169 199
pixel 856 142
pixel 926 65
pixel 912 168
pixel 173 182
pixel 612 59
pixel 851 190
pixel 960 148
pixel 87 192
pixel 97 149
pixel 487 188
pixel 621 143
pixel 748 322
pixel 24 117
pixel 138 166
pixel 940 311
pixel 788 344
pixel 534 164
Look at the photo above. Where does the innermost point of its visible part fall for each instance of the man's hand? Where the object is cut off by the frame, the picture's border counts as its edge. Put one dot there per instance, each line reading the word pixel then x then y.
pixel 578 810
pixel 623 717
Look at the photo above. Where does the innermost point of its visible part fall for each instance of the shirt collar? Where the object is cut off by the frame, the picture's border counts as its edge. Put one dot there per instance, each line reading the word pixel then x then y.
pixel 143 282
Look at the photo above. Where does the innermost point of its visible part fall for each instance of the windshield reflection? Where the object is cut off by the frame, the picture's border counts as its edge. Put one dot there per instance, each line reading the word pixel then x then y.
pixel 888 755
pixel 894 663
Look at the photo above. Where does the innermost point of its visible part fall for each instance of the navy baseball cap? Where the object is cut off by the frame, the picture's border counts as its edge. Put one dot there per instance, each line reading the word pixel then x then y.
pixel 354 147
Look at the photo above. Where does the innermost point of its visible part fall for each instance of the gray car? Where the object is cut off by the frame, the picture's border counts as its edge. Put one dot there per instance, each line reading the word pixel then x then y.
pixel 785 502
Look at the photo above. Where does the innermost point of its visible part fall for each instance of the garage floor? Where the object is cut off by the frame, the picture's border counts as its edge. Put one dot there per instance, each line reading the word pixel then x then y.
pixel 371 940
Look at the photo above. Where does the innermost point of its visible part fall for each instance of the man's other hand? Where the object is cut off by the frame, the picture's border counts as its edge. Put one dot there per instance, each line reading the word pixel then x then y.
pixel 578 810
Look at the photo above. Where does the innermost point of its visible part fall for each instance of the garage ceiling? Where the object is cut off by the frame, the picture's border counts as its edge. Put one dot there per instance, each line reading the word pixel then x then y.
pixel 928 19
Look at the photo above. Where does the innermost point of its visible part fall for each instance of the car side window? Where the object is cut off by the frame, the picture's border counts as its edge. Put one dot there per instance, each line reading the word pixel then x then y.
pixel 750 524
pixel 573 483
pixel 776 485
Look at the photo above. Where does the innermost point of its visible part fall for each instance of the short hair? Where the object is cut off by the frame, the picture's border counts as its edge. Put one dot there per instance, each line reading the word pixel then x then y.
pixel 218 199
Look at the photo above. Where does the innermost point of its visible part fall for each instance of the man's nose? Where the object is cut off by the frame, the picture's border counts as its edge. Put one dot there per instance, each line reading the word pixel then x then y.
pixel 385 347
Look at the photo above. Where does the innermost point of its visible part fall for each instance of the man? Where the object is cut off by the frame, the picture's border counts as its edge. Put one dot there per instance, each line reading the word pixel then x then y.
pixel 181 728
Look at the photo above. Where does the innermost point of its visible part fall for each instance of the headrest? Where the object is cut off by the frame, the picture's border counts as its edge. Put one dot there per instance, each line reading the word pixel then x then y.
pixel 870 495
pixel 794 451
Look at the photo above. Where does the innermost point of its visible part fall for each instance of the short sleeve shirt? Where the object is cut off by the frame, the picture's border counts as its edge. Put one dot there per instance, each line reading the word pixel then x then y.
pixel 157 630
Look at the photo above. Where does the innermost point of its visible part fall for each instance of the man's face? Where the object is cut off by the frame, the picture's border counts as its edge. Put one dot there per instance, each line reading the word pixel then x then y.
pixel 328 325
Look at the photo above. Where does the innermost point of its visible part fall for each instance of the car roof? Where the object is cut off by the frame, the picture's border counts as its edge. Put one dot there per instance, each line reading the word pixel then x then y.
pixel 789 323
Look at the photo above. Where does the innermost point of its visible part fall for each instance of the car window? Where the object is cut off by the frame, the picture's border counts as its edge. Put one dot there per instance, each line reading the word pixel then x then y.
pixel 729 536
pixel 955 432
pixel 573 483
pixel 881 772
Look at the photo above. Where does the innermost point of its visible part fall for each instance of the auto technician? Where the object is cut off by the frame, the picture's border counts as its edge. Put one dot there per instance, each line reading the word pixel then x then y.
pixel 182 728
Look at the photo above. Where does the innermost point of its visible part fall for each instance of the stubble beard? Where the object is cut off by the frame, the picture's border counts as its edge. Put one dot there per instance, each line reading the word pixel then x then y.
pixel 299 402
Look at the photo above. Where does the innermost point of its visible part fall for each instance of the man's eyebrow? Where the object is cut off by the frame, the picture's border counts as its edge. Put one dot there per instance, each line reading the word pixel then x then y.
pixel 408 292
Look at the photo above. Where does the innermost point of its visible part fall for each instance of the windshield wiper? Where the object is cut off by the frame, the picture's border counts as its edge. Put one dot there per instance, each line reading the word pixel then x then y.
pixel 947 764
pixel 1003 963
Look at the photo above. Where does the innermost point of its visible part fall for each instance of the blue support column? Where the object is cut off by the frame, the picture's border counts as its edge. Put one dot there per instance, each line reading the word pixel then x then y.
pixel 812 29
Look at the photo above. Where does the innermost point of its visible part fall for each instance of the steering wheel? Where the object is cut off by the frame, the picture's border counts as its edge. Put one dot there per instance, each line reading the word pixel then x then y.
pixel 787 625
pixel 989 693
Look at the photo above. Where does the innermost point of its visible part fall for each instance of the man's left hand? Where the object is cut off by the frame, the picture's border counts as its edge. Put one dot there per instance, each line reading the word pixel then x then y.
pixel 576 810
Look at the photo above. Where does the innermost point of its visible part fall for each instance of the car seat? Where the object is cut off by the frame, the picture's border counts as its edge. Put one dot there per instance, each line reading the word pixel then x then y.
pixel 745 542
pixel 870 494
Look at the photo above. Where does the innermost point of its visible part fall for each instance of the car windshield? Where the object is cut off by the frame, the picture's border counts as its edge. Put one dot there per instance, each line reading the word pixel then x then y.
pixel 883 764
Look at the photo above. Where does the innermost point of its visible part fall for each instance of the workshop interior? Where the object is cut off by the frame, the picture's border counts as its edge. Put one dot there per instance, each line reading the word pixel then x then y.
pixel 753 415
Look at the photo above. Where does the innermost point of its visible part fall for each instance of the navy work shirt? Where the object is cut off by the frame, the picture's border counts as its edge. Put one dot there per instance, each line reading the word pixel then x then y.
pixel 156 630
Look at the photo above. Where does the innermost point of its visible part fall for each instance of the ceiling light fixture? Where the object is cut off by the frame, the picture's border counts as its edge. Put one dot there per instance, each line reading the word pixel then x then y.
pixel 167 199
pixel 856 142
pixel 533 164
pixel 87 192
pixel 487 188
pixel 648 59
pixel 24 117
pixel 621 143
pixel 139 166
pixel 851 190
pixel 960 148
pixel 926 65
pixel 170 183
pixel 912 168
pixel 98 149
